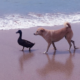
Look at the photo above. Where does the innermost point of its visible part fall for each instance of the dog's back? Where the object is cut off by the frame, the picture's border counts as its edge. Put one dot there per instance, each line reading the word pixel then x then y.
pixel 63 32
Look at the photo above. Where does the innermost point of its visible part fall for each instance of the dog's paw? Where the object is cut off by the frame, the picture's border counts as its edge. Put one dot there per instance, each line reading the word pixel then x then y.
pixel 44 52
pixel 76 48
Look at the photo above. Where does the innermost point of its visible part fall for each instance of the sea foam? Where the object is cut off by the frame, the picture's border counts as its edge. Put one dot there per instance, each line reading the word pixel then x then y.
pixel 17 21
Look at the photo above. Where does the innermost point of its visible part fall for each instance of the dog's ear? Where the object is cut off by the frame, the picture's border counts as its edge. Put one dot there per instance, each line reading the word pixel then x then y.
pixel 42 30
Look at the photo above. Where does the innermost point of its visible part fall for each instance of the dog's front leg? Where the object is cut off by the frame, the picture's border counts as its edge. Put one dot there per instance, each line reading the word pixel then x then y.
pixel 47 47
pixel 54 46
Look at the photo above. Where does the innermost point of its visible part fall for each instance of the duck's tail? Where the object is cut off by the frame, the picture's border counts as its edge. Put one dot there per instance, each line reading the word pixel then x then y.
pixel 34 43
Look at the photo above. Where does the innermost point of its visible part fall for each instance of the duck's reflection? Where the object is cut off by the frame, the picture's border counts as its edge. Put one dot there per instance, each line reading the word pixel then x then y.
pixel 25 57
pixel 57 66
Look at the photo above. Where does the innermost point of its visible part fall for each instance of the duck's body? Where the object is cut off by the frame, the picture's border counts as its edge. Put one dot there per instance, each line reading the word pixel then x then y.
pixel 23 42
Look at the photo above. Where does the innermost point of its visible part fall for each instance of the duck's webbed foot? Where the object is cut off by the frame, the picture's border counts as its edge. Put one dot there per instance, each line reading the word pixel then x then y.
pixel 29 49
pixel 23 49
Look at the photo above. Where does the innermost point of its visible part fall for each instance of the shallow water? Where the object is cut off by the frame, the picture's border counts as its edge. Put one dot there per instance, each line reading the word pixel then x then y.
pixel 34 65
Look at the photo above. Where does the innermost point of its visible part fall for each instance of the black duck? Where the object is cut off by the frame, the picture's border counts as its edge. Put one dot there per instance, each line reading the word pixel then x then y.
pixel 24 43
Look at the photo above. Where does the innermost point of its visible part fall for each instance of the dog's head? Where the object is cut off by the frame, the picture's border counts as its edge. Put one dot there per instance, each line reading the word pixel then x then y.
pixel 39 31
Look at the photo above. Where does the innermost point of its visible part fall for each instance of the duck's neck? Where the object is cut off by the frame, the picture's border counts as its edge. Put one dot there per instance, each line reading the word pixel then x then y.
pixel 20 37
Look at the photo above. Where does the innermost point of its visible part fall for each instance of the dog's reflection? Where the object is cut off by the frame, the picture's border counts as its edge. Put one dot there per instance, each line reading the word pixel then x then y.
pixel 57 66
pixel 25 57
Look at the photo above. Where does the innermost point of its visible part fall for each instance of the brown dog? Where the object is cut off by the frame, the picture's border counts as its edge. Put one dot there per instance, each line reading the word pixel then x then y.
pixel 52 36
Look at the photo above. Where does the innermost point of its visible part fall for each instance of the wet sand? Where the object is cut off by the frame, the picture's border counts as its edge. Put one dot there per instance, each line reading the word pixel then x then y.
pixel 34 65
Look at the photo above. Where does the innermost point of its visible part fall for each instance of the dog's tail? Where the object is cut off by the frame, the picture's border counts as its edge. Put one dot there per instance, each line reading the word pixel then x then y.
pixel 66 24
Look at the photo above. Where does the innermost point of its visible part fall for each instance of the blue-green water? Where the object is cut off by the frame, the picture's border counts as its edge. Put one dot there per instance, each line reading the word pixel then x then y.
pixel 39 6
pixel 32 13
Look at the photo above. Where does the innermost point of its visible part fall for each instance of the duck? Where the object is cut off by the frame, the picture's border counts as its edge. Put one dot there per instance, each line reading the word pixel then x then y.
pixel 23 42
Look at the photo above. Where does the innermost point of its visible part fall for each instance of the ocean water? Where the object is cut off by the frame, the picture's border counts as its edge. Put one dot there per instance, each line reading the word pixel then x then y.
pixel 18 14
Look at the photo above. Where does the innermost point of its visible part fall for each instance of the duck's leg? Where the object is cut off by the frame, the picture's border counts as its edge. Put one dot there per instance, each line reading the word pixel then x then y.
pixel 29 49
pixel 23 48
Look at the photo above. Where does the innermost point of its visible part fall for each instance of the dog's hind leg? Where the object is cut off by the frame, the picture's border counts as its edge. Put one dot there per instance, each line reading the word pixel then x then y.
pixel 69 41
pixel 47 47
pixel 54 46
pixel 69 45
pixel 74 44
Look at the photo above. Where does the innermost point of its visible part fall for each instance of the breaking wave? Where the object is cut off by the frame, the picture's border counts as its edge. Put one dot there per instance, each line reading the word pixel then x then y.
pixel 16 21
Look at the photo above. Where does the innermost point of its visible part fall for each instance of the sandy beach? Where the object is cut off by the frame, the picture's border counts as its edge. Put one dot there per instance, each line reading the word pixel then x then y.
pixel 34 65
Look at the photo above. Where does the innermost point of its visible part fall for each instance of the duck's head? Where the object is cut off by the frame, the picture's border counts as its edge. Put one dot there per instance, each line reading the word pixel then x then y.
pixel 19 31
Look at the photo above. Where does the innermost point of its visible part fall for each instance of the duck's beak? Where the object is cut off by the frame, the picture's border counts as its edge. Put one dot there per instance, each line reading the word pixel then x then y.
pixel 16 32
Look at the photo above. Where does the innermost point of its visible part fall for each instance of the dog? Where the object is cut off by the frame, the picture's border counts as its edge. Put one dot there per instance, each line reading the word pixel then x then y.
pixel 52 36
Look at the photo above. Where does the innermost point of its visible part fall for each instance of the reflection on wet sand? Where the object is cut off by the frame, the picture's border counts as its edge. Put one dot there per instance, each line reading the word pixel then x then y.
pixel 25 57
pixel 57 66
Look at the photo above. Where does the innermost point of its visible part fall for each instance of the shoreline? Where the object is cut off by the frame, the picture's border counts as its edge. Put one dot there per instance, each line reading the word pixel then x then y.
pixel 46 27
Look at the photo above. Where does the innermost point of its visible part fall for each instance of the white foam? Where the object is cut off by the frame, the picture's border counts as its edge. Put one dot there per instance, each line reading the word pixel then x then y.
pixel 16 21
